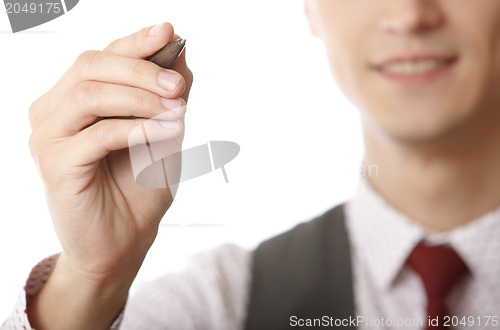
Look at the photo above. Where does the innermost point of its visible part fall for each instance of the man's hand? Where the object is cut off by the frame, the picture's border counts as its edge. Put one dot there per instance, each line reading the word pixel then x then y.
pixel 105 221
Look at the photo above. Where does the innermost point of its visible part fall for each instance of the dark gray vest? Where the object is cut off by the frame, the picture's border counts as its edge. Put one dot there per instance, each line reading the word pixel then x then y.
pixel 303 273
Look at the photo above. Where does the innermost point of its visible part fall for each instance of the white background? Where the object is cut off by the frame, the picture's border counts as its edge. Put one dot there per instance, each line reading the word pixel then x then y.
pixel 261 80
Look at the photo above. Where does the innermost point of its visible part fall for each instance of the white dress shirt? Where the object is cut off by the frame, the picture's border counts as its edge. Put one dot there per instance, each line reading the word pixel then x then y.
pixel 213 291
pixel 382 239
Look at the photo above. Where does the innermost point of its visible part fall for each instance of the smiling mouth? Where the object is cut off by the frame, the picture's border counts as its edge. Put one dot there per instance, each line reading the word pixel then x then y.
pixel 414 67
pixel 416 71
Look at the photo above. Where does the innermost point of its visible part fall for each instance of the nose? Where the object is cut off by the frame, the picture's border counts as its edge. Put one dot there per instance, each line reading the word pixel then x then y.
pixel 410 16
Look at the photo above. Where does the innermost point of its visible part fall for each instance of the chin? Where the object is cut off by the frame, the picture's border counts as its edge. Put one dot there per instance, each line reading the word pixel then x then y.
pixel 426 129
pixel 417 137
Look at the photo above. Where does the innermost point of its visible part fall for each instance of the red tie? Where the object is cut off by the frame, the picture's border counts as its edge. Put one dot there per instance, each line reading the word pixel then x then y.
pixel 439 267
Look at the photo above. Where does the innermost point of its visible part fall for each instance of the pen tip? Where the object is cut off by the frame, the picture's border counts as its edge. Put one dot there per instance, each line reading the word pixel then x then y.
pixel 183 41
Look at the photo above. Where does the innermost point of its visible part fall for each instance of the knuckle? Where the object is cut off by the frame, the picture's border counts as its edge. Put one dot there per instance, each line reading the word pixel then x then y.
pixel 45 159
pixel 102 131
pixel 85 92
pixel 34 111
pixel 112 45
pixel 139 96
pixel 137 68
pixel 33 143
pixel 85 62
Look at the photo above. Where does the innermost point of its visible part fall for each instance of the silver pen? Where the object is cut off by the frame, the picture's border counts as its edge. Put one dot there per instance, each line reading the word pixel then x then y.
pixel 166 56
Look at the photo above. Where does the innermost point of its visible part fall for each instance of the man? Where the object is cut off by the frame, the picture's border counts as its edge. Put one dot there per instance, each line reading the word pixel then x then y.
pixel 425 76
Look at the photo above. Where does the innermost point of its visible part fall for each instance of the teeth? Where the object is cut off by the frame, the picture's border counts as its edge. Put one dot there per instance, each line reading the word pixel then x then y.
pixel 411 68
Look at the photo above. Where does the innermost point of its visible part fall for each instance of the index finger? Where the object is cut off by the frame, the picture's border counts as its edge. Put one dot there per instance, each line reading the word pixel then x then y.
pixel 142 43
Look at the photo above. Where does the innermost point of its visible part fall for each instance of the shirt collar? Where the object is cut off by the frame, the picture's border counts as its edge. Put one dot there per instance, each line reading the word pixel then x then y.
pixel 478 243
pixel 383 238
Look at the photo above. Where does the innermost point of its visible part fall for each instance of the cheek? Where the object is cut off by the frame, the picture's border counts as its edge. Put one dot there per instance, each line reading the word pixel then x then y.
pixel 342 25
pixel 345 55
pixel 342 68
pixel 481 74
pixel 344 32
pixel 493 61
pixel 478 31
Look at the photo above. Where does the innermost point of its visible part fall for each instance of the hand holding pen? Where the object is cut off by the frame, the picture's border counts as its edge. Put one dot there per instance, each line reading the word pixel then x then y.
pixel 105 221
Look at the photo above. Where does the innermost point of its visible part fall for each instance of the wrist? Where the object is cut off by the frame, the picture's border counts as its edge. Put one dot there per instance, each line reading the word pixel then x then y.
pixel 72 300
pixel 93 285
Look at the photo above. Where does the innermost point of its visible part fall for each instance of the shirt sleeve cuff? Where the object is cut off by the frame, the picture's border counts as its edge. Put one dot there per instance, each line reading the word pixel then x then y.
pixel 18 319
pixel 38 276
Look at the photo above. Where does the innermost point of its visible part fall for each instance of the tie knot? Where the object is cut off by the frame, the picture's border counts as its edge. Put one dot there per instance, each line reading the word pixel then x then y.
pixel 439 267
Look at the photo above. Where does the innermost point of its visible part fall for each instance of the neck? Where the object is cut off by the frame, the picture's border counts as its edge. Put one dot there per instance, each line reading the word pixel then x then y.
pixel 442 185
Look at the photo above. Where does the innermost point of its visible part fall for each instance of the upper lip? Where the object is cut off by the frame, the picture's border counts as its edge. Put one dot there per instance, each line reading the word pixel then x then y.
pixel 412 58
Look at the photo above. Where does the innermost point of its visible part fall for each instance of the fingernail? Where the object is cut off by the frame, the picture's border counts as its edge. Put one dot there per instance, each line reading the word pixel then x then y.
pixel 169 79
pixel 171 104
pixel 154 30
pixel 169 124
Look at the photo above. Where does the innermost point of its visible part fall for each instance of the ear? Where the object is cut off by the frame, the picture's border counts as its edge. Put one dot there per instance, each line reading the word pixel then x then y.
pixel 310 11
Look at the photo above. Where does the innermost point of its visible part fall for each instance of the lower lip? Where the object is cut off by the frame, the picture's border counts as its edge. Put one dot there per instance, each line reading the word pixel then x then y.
pixel 418 79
